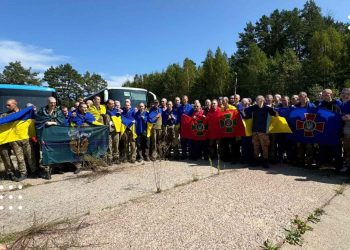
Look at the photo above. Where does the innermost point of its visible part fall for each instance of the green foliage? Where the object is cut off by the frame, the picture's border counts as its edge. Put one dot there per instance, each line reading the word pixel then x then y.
pixel 68 83
pixel 301 225
pixel 92 83
pixel 268 245
pixel 294 237
pixel 15 73
pixel 340 190
pixel 285 52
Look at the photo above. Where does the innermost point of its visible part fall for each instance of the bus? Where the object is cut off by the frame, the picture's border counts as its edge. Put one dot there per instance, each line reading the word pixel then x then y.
pixel 24 94
pixel 136 95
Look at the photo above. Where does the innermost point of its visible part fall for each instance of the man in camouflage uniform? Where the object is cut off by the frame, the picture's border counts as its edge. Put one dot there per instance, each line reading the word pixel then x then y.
pixel 7 169
pixel 169 118
pixel 127 139
pixel 114 133
pixel 22 149
pixel 156 131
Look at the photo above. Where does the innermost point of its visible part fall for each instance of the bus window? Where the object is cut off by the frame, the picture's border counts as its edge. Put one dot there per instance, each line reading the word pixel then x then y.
pixel 38 98
pixel 136 96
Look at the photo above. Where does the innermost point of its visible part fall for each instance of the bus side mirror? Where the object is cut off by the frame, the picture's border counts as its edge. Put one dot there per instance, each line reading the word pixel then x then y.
pixel 105 95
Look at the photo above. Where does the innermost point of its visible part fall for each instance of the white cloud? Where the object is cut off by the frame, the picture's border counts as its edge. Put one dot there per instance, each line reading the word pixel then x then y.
pixel 37 58
pixel 117 81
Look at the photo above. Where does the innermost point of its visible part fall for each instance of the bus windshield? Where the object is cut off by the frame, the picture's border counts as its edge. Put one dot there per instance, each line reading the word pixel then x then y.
pixel 36 97
pixel 136 96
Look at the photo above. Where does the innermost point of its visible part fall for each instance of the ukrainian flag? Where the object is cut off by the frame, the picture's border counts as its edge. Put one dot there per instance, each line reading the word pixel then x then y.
pixel 127 122
pixel 97 113
pixel 17 126
pixel 275 124
pixel 151 120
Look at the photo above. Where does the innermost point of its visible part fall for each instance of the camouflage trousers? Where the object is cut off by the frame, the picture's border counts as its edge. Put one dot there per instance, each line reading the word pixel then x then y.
pixel 171 141
pixel 5 151
pixel 156 142
pixel 261 141
pixel 128 151
pixel 305 153
pixel 24 151
pixel 113 148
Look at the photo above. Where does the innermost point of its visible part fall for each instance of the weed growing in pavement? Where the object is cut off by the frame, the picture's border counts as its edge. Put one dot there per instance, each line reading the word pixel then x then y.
pixel 156 173
pixel 315 216
pixel 300 227
pixel 268 245
pixel 157 166
pixel 56 234
pixel 294 236
pixel 211 164
pixel 318 212
pixel 194 178
pixel 340 190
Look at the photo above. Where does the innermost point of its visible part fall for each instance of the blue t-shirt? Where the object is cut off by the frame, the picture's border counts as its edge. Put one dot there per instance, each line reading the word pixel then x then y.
pixel 184 110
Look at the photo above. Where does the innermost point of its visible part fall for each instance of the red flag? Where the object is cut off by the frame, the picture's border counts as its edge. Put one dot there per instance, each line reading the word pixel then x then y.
pixel 225 124
pixel 194 129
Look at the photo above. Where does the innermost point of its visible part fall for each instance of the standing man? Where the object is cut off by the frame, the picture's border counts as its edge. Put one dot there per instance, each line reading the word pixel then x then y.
pixel 327 152
pixel 98 110
pixel 128 140
pixel 114 133
pixel 169 118
pixel 229 147
pixel 305 151
pixel 184 109
pixel 213 143
pixel 142 140
pixel 47 116
pixel 155 117
pixel 82 118
pixel 259 112
pixel 22 149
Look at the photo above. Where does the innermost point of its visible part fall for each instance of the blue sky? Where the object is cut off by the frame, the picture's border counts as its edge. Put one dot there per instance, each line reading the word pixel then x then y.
pixel 121 38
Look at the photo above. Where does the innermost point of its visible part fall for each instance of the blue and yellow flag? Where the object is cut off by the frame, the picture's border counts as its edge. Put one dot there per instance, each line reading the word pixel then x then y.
pixel 17 126
pixel 97 113
pixel 275 124
pixel 314 125
pixel 129 123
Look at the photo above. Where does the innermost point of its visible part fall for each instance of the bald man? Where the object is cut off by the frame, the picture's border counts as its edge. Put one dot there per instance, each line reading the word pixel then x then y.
pixel 23 150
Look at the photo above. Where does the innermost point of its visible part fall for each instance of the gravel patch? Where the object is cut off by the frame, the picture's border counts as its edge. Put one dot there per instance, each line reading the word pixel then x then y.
pixel 236 210
pixel 70 195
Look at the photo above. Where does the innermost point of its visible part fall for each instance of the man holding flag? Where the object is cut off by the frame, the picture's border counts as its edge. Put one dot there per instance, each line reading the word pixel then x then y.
pixel 259 112
pixel 18 142
pixel 128 135
pixel 170 118
pixel 331 151
pixel 113 119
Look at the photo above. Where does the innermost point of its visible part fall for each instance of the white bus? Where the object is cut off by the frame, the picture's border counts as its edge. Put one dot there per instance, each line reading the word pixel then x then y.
pixel 136 95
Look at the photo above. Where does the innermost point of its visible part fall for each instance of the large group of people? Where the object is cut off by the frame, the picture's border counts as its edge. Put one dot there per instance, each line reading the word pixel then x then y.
pixel 158 133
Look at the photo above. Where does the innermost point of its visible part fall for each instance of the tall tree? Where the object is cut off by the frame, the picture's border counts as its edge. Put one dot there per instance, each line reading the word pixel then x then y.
pixel 15 73
pixel 325 48
pixel 251 77
pixel 190 75
pixel 93 83
pixel 67 82
pixel 283 73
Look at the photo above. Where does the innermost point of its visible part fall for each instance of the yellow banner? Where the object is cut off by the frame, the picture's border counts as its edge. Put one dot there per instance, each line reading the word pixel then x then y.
pixel 17 130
